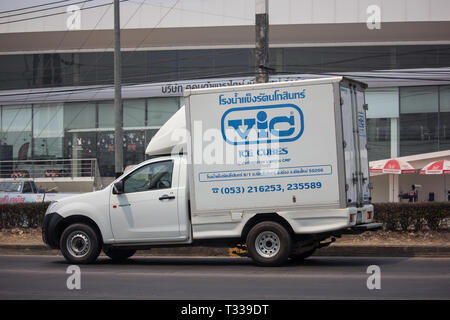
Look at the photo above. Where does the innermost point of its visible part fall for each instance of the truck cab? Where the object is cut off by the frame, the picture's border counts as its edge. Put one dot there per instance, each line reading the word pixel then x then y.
pixel 148 205
pixel 19 186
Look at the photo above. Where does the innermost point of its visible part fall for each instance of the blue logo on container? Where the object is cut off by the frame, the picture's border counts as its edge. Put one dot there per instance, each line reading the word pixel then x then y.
pixel 267 124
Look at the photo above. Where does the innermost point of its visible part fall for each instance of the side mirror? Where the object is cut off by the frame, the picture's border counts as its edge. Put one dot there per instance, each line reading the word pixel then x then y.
pixel 118 187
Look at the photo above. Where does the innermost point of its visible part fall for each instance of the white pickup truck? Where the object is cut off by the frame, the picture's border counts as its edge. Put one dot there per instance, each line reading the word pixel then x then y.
pixel 275 169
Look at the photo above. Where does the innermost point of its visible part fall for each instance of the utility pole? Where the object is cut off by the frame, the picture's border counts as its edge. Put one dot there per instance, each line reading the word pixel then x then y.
pixel 262 40
pixel 118 108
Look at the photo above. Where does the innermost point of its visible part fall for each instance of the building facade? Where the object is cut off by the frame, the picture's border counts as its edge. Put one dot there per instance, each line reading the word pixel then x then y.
pixel 56 78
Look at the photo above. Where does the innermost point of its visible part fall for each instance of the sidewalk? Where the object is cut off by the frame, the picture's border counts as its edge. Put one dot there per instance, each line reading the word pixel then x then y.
pixel 385 244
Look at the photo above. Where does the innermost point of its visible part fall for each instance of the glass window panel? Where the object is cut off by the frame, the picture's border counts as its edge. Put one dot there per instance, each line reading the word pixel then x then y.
pixel 419 99
pixel 86 65
pixel 68 68
pixel 159 110
pixel 150 177
pixel 106 114
pixel 444 139
pixel 444 118
pixel 134 113
pixel 105 153
pixel 379 138
pixel 418 133
pixel 444 98
pixel 134 66
pixel 80 145
pixel 383 103
pixel 16 118
pixel 15 130
pixel 48 120
pixel 103 67
pixel 239 62
pixel 134 147
pixel 163 66
pixel 47 148
pixel 195 63
pixel 79 115
pixel 418 120
pixel 48 131
pixel 16 71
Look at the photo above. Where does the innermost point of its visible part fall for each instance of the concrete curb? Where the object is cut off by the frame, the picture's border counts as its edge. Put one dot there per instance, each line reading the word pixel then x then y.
pixel 333 250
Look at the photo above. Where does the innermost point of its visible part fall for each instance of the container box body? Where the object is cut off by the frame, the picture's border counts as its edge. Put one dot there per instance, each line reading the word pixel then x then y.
pixel 277 146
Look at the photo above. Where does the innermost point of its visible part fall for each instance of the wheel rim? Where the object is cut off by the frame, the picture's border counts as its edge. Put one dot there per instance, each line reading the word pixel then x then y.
pixel 267 244
pixel 78 244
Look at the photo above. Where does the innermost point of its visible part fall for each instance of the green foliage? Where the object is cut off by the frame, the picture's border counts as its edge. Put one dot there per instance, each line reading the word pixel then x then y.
pixel 395 216
pixel 412 216
pixel 22 215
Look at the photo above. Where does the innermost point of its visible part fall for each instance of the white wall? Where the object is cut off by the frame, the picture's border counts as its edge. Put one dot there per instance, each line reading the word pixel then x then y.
pixel 205 13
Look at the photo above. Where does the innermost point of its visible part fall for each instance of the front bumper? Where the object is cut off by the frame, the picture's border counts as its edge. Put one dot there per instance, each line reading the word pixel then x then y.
pixel 49 229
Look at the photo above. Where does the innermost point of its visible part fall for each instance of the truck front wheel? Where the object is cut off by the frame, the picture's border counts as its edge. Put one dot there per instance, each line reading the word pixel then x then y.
pixel 80 244
pixel 269 243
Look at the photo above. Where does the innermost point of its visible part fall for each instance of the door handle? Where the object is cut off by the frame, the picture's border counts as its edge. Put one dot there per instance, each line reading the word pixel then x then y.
pixel 164 197
pixel 124 205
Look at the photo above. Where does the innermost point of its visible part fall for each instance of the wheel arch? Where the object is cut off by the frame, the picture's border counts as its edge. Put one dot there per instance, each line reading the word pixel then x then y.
pixel 261 217
pixel 64 223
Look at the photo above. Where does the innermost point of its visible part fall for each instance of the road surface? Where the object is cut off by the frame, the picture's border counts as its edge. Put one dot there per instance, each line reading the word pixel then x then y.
pixel 45 277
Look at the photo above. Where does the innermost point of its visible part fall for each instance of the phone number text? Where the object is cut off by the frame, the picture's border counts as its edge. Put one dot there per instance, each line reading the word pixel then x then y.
pixel 268 188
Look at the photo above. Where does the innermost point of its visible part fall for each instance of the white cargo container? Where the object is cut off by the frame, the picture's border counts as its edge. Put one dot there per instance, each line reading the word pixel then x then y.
pixel 274 168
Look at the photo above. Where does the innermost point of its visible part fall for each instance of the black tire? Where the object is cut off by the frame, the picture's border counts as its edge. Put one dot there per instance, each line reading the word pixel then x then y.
pixel 274 244
pixel 117 254
pixel 302 256
pixel 80 244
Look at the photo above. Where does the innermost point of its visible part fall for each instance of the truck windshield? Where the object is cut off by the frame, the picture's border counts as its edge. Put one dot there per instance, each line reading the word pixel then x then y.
pixel 10 186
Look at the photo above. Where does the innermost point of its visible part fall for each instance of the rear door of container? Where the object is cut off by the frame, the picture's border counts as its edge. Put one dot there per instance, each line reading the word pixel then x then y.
pixel 361 108
pixel 355 144
pixel 349 145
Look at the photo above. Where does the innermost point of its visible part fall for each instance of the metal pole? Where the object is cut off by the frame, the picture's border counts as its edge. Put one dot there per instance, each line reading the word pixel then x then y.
pixel 118 108
pixel 262 40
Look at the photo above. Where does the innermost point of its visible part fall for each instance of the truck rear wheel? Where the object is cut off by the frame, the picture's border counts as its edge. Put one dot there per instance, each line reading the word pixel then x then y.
pixel 269 244
pixel 80 244
pixel 119 254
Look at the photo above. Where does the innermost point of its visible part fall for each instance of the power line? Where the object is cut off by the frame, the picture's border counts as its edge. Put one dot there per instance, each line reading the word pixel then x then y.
pixel 65 33
pixel 58 13
pixel 146 37
pixel 87 38
pixel 211 76
pixel 32 7
pixel 40 10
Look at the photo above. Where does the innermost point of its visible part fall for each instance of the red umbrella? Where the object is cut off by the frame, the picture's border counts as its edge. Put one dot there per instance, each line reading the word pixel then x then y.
pixel 437 167
pixel 393 166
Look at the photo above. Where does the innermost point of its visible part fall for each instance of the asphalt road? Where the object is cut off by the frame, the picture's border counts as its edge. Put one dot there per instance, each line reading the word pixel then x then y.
pixel 45 277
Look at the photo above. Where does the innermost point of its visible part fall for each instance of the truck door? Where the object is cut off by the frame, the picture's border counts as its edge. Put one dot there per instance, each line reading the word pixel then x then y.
pixel 363 155
pixel 355 145
pixel 351 185
pixel 147 210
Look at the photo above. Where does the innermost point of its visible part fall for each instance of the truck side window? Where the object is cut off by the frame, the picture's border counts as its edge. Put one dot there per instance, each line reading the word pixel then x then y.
pixel 150 177
pixel 27 188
